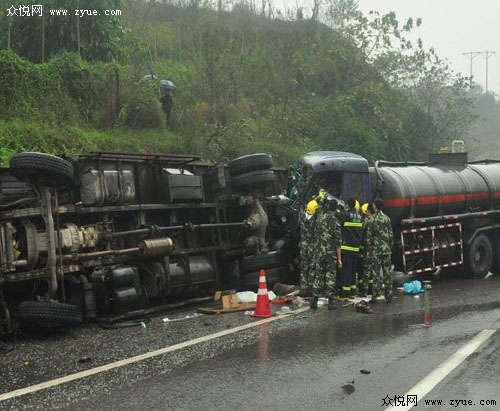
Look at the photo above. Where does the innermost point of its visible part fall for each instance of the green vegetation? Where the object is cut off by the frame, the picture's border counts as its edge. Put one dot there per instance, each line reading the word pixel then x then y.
pixel 247 82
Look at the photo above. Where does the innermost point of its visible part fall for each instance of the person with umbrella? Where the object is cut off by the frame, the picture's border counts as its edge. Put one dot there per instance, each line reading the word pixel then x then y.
pixel 166 99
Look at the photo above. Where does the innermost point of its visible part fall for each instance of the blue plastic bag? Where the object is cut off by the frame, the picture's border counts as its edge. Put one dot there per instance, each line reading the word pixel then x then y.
pixel 413 287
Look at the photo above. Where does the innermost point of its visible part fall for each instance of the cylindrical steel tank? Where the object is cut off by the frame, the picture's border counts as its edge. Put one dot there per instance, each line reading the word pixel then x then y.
pixel 417 191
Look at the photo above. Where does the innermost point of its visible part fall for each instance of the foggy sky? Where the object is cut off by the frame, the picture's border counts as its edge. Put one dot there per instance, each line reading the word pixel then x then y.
pixel 454 27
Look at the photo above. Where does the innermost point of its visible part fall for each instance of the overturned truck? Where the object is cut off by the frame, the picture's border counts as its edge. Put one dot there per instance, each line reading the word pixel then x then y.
pixel 108 233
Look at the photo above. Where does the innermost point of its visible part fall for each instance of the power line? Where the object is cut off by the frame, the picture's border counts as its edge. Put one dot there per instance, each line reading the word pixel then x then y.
pixel 474 54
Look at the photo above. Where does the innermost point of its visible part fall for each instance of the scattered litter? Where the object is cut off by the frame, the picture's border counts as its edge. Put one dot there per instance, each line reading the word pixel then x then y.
pixel 285 310
pixel 168 320
pixel 357 300
pixel 365 372
pixel 322 301
pixel 251 297
pixel 421 325
pixel 84 360
pixel 249 312
pixel 125 324
pixel 416 297
pixel 363 307
pixel 246 297
pixel 298 301
pixel 490 274
pixel 413 287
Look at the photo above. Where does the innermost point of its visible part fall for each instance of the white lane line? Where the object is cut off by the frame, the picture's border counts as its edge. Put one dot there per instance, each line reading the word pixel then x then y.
pixel 439 374
pixel 137 358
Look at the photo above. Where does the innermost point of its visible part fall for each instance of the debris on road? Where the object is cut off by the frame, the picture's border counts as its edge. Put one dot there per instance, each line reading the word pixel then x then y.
pixel 413 288
pixel 168 320
pixel 363 307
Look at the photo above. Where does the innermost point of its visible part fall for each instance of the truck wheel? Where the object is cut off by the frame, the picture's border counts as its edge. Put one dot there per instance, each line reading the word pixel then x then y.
pixel 49 169
pixel 251 162
pixel 479 256
pixel 258 261
pixel 250 281
pixel 49 314
pixel 253 179
pixel 495 267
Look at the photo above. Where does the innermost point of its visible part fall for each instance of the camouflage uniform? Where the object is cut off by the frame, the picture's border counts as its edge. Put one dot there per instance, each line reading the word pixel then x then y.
pixel 366 261
pixel 379 247
pixel 328 237
pixel 306 250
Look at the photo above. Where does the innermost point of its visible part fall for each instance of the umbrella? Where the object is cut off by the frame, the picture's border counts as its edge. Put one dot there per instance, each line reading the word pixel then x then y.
pixel 167 85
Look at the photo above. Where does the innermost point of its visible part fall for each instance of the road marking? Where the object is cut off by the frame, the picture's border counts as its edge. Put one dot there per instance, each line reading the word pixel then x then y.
pixel 137 358
pixel 427 384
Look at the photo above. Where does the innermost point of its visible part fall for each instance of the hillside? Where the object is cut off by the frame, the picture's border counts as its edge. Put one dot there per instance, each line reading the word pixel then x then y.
pixel 247 81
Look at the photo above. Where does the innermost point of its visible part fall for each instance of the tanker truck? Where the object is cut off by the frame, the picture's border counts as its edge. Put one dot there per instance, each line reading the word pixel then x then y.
pixel 109 234
pixel 444 212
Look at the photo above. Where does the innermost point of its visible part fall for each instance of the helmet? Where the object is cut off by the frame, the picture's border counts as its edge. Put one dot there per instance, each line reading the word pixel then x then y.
pixel 311 208
pixel 322 194
pixel 364 208
pixel 357 206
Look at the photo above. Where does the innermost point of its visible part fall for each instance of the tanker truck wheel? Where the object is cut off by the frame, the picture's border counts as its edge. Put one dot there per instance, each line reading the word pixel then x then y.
pixel 495 267
pixel 479 256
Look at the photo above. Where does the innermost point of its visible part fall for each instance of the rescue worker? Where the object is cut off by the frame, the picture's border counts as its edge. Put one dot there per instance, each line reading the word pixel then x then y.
pixel 307 224
pixel 379 241
pixel 352 232
pixel 364 269
pixel 327 255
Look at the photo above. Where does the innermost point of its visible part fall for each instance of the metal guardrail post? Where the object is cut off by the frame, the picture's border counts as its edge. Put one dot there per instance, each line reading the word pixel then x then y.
pixel 427 303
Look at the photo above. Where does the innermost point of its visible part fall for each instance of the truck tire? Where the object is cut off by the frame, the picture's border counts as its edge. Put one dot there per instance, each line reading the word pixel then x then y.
pixel 250 281
pixel 50 314
pixel 495 266
pixel 251 162
pixel 46 168
pixel 253 179
pixel 479 256
pixel 258 261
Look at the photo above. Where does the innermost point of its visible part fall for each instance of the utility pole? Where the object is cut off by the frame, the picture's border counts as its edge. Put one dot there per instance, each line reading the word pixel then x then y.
pixel 472 55
pixel 487 55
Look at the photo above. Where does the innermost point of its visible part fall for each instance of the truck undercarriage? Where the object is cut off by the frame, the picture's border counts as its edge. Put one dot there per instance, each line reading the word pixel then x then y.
pixel 108 233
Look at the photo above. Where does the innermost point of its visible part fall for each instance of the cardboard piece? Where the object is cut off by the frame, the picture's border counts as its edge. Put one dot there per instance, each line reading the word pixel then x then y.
pixel 228 298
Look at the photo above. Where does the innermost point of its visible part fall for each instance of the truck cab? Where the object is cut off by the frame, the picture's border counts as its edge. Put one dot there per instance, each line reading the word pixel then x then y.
pixel 341 174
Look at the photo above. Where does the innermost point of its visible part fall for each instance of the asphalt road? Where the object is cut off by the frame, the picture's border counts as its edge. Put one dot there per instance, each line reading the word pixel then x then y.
pixel 313 359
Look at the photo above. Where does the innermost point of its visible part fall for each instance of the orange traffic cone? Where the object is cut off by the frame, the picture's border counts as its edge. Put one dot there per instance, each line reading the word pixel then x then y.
pixel 263 307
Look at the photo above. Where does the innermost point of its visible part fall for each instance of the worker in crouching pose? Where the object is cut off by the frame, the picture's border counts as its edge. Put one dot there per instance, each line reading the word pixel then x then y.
pixel 327 256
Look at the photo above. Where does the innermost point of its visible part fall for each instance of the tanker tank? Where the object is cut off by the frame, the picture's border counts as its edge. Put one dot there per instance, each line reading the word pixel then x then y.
pixel 446 185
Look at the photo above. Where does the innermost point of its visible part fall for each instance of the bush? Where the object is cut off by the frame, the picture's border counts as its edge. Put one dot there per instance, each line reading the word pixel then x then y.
pixel 143 109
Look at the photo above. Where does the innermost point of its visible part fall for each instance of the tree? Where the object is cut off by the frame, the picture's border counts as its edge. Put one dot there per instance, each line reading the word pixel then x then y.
pixel 93 37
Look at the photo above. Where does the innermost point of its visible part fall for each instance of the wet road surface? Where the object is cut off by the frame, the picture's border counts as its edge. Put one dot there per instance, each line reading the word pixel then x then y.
pixel 326 360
